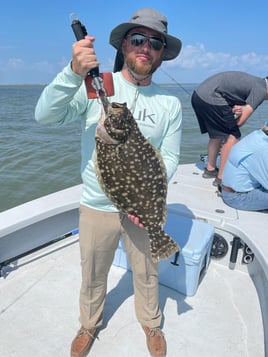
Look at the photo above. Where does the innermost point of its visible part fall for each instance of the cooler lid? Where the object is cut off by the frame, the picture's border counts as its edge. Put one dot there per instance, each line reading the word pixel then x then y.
pixel 192 235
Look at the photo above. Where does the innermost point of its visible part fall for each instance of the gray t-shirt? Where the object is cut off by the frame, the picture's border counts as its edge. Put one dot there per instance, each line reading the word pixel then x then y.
pixel 233 87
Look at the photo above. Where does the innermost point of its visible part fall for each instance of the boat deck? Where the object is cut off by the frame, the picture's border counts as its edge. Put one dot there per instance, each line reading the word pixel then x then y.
pixel 39 311
pixel 39 293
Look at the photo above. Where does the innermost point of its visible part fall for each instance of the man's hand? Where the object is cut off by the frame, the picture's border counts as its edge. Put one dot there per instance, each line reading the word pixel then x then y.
pixel 135 220
pixel 84 56
pixel 237 110
pixel 245 113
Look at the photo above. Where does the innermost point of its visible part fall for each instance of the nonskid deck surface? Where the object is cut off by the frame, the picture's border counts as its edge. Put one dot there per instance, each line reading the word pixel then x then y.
pixel 39 312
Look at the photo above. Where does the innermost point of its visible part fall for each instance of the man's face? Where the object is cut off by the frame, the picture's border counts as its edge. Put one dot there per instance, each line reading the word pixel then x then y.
pixel 143 55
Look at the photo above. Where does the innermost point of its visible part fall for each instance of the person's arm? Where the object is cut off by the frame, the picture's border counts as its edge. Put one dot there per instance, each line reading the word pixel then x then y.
pixel 247 110
pixel 64 99
pixel 170 147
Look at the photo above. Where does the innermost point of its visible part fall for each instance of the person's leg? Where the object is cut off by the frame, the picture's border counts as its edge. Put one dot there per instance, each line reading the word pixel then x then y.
pixel 225 150
pixel 255 200
pixel 99 234
pixel 145 273
pixel 210 121
pixel 145 281
pixel 214 146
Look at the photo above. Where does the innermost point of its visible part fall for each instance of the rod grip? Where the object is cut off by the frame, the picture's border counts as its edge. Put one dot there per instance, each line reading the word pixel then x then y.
pixel 80 32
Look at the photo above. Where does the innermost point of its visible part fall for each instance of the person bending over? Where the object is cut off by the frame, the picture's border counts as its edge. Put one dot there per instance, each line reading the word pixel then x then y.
pixel 222 104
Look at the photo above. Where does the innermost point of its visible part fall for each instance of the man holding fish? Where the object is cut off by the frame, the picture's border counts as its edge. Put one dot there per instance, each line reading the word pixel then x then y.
pixel 142 44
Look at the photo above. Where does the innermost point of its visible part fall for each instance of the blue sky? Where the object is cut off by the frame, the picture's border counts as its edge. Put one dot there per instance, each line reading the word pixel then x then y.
pixel 36 37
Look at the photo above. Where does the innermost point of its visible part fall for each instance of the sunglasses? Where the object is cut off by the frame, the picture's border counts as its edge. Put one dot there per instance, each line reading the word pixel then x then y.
pixel 138 39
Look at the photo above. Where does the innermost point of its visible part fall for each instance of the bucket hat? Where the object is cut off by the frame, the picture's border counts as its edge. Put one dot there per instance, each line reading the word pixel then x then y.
pixel 152 19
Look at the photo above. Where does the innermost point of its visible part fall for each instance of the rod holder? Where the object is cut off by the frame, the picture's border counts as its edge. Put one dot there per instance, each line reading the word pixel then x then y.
pixel 236 245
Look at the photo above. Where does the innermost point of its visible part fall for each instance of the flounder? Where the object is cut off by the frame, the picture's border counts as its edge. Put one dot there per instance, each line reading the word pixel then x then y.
pixel 132 174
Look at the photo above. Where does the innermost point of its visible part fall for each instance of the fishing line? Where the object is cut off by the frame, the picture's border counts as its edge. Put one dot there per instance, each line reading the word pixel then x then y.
pixel 174 80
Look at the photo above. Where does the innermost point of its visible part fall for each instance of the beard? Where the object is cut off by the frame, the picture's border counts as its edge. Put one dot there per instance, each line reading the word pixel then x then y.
pixel 140 68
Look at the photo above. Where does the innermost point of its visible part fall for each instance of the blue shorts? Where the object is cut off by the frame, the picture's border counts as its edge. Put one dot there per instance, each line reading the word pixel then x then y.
pixel 216 120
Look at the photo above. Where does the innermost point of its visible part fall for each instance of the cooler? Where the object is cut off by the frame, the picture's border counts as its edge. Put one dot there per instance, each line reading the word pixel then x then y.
pixel 181 273
pixel 195 239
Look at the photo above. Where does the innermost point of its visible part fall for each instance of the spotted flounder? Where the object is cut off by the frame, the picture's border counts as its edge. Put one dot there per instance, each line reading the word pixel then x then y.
pixel 132 174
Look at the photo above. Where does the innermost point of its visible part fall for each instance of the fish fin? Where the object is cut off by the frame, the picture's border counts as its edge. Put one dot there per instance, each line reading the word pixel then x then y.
pixel 162 245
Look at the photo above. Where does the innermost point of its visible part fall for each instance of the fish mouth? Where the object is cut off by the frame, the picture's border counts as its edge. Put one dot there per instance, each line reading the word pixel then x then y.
pixel 113 130
pixel 117 122
pixel 118 131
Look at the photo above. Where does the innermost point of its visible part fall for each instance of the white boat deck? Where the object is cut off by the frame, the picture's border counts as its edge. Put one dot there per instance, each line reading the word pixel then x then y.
pixel 39 311
pixel 39 293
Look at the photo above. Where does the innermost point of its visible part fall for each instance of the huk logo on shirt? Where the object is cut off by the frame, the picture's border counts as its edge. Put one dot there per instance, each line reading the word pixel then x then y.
pixel 145 118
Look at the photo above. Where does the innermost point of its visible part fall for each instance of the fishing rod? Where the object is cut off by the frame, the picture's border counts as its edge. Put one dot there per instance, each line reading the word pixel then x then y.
pixel 174 80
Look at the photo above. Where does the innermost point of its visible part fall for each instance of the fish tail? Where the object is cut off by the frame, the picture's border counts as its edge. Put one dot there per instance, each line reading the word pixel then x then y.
pixel 162 246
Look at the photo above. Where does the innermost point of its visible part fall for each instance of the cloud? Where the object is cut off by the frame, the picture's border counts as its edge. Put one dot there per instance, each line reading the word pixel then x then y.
pixel 16 71
pixel 15 64
pixel 197 55
pixel 198 61
pixel 194 64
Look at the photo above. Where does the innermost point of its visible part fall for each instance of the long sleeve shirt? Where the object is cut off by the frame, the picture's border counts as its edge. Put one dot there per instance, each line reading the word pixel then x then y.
pixel 247 166
pixel 157 112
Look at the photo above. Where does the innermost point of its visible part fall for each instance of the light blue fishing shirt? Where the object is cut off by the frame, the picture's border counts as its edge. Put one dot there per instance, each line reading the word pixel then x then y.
pixel 157 112
pixel 247 166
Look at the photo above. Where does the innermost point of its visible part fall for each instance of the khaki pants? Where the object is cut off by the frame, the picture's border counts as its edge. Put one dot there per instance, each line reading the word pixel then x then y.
pixel 99 234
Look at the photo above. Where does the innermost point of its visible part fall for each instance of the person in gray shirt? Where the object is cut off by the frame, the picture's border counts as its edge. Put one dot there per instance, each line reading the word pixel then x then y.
pixel 222 104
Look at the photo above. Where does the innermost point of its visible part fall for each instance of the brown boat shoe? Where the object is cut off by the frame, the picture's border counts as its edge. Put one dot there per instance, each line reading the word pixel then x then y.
pixel 83 342
pixel 156 342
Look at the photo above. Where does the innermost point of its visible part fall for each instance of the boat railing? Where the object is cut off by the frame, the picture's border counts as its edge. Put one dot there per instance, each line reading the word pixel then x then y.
pixel 38 223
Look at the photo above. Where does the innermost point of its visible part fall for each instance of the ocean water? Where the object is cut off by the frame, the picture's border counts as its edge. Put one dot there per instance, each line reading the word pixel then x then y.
pixel 36 160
